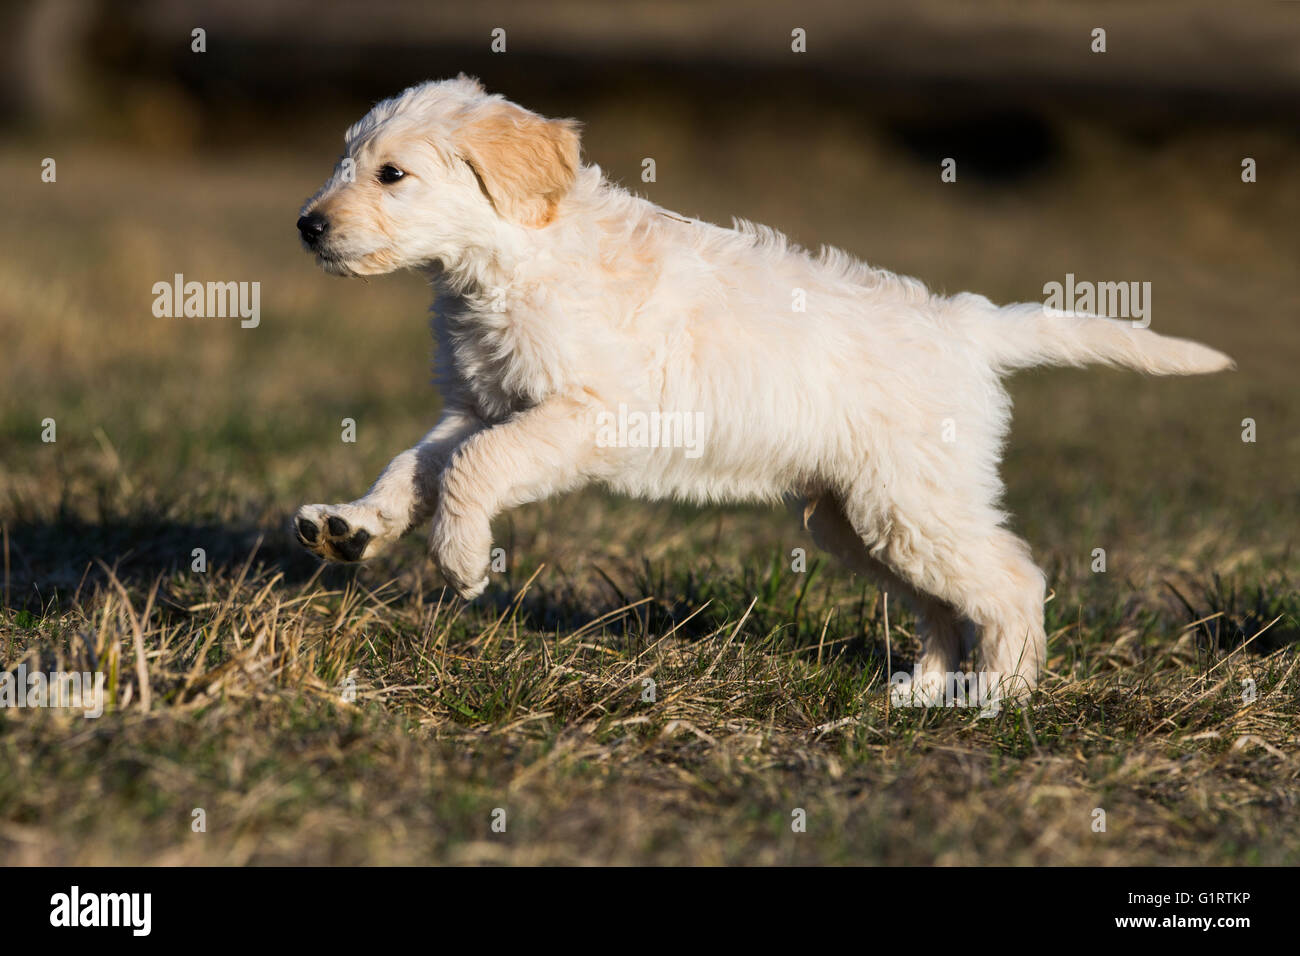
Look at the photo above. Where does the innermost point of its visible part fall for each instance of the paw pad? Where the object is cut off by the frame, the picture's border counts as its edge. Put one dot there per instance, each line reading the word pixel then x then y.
pixel 331 537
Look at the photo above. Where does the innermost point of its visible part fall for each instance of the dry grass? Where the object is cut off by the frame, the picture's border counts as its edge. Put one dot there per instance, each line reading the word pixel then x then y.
pixel 239 706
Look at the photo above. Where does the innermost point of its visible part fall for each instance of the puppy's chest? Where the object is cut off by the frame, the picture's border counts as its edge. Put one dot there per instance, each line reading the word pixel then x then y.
pixel 496 381
pixel 498 362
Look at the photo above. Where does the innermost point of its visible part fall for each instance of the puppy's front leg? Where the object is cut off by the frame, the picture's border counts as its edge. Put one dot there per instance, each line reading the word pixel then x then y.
pixel 402 497
pixel 547 449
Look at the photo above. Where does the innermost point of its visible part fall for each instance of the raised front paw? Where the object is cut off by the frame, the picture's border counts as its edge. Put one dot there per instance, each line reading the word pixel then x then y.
pixel 461 547
pixel 339 532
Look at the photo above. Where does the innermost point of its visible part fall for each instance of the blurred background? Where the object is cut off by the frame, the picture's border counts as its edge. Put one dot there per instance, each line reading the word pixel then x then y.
pixel 1122 166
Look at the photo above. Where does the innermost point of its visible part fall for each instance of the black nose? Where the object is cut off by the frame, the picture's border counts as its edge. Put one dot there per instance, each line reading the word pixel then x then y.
pixel 311 227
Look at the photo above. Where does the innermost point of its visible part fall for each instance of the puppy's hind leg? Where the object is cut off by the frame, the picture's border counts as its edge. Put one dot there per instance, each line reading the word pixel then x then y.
pixel 938 625
pixel 958 552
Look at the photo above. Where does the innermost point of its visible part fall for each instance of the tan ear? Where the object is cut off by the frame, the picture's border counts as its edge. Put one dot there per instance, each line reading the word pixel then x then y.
pixel 525 162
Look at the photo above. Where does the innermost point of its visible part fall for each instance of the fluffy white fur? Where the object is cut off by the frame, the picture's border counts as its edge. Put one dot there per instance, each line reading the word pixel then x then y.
pixel 561 296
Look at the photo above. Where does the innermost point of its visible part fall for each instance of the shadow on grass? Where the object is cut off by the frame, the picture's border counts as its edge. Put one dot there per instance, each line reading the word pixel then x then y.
pixel 48 563
pixel 782 612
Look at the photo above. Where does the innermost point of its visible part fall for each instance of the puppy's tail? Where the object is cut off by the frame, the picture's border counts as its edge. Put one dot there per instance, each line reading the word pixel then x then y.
pixel 1028 334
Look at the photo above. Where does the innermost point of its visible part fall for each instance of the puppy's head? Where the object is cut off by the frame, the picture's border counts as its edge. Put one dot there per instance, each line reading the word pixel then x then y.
pixel 435 174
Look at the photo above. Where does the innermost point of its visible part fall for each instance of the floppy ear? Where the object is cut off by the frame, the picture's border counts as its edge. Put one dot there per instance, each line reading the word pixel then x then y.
pixel 525 163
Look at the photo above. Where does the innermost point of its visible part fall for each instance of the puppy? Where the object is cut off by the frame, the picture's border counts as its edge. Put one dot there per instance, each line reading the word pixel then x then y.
pixel 586 335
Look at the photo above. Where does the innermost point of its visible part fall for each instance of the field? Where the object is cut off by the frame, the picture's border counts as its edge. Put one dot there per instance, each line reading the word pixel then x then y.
pixel 324 715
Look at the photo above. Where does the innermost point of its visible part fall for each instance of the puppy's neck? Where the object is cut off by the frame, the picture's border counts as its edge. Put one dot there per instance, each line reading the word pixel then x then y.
pixel 488 266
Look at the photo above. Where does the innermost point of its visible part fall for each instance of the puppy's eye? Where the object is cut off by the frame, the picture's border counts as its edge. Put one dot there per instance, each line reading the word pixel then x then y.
pixel 389 173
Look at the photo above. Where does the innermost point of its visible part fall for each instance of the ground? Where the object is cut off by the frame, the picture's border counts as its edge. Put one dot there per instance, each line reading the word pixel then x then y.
pixel 327 715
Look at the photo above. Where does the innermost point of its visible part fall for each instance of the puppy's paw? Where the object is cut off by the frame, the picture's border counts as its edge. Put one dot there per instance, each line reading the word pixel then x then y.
pixel 927 691
pixel 461 550
pixel 345 533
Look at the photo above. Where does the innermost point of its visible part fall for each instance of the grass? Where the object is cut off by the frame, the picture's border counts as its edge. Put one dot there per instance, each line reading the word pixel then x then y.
pixel 326 715
pixel 346 722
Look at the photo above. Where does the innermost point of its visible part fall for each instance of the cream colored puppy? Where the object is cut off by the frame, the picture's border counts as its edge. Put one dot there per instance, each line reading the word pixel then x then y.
pixel 586 335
